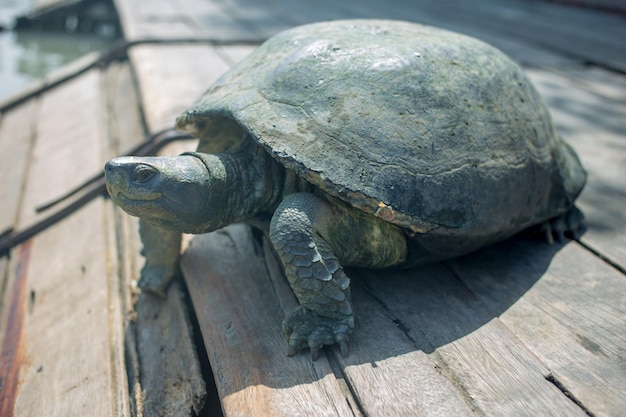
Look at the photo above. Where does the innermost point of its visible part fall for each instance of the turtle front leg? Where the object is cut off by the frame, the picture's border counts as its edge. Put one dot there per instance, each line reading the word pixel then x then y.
pixel 324 316
pixel 161 248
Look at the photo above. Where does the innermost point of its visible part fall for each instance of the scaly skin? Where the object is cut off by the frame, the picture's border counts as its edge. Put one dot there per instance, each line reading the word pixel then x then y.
pixel 161 248
pixel 313 235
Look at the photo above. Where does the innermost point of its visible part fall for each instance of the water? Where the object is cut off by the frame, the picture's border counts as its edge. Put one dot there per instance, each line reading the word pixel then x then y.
pixel 28 55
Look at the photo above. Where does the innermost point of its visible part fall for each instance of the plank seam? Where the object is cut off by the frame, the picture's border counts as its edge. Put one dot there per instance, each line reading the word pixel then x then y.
pixel 344 384
pixel 212 404
pixel 554 381
pixel 12 349
pixel 600 256
pixel 397 322
pixel 117 292
pixel 441 366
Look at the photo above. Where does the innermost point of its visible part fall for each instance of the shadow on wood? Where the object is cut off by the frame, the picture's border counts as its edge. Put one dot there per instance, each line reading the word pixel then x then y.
pixel 431 304
pixel 241 302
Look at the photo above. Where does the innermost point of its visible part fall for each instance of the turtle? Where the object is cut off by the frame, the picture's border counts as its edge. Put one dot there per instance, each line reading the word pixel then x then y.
pixel 367 143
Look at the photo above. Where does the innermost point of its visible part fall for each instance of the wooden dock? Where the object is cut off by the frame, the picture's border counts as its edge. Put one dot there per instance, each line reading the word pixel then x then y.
pixel 521 328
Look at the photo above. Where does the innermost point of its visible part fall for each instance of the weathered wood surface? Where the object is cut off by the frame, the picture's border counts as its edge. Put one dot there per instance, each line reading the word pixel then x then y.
pixel 578 33
pixel 64 313
pixel 164 372
pixel 169 80
pixel 572 320
pixel 16 137
pixel 535 332
pixel 253 374
pixel 426 342
pixel 520 328
pixel 70 330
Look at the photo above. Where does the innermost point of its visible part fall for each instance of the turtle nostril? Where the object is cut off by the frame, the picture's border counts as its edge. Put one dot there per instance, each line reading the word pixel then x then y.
pixel 143 173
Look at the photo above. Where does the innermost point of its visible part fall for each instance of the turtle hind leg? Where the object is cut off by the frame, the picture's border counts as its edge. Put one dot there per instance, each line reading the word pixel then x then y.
pixel 161 249
pixel 570 224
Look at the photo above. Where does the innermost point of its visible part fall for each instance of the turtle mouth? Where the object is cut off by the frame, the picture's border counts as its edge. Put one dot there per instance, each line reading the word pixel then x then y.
pixel 143 197
pixel 138 197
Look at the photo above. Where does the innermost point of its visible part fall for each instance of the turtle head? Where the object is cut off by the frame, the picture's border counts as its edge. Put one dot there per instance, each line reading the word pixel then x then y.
pixel 173 192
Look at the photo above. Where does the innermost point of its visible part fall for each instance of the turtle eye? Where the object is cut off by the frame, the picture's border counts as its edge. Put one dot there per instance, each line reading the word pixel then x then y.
pixel 143 173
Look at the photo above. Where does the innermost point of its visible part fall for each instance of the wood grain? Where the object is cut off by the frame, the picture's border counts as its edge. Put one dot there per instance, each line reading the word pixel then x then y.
pixel 165 374
pixel 385 371
pixel 141 20
pixel 172 77
pixel 69 335
pixel 543 26
pixel 16 139
pixel 240 318
pixel 493 371
pixel 171 377
pixel 574 321
pixel 125 116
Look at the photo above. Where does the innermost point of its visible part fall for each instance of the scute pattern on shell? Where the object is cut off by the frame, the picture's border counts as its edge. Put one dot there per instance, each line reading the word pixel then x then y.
pixel 433 131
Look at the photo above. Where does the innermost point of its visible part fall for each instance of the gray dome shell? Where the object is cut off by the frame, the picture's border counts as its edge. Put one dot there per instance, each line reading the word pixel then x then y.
pixel 433 131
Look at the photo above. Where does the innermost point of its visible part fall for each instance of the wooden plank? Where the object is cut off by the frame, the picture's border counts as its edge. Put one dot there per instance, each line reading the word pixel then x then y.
pixel 56 142
pixel 262 19
pixel 215 20
pixel 141 20
pixel 593 122
pixel 588 35
pixel 180 20
pixel 383 362
pixel 125 118
pixel 16 134
pixel 567 306
pixel 520 28
pixel 16 137
pixel 165 374
pixel 171 377
pixel 493 370
pixel 69 326
pixel 240 319
pixel 172 77
pixel 72 354
pixel 388 374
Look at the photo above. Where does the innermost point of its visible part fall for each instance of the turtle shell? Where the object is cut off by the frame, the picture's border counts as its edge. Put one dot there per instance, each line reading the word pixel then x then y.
pixel 433 131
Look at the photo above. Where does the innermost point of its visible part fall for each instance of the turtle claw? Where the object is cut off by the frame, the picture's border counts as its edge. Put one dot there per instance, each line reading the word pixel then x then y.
pixel 571 224
pixel 155 279
pixel 343 347
pixel 304 328
pixel 315 352
pixel 293 348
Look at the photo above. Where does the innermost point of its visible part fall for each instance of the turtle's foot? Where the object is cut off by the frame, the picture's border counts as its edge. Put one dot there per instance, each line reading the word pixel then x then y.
pixel 570 224
pixel 304 328
pixel 161 249
pixel 156 278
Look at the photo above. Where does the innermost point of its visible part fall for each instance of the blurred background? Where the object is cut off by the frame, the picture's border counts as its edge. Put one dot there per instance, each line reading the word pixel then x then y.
pixel 36 38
